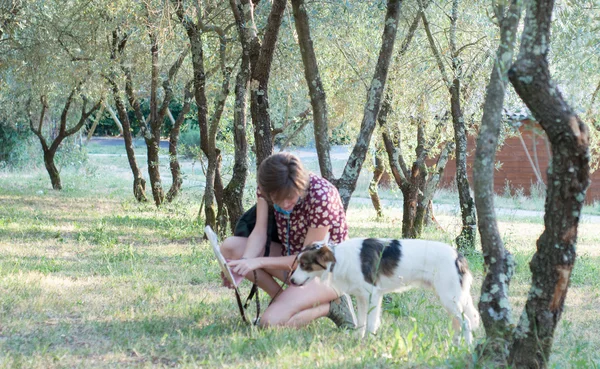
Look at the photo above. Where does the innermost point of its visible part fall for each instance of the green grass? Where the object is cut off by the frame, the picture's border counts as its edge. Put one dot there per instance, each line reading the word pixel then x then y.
pixel 90 278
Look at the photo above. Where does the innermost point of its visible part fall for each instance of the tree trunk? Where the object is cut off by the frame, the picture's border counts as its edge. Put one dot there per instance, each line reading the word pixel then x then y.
pixel 568 180
pixel 259 84
pixel 347 183
pixel 173 142
pixel 234 191
pixel 95 124
pixel 214 183
pixel 63 132
pixel 152 136
pixel 139 183
pixel 419 221
pixel 373 186
pixel 51 168
pixel 194 34
pixel 118 48
pixel 467 236
pixel 495 310
pixel 466 239
pixel 425 214
pixel 154 170
pixel 315 88
pixel 409 210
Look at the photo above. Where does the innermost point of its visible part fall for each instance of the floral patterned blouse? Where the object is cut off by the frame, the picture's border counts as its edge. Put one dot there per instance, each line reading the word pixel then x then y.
pixel 320 207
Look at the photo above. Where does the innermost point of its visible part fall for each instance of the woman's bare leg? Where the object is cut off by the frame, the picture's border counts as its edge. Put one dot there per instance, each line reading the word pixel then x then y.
pixel 298 306
pixel 233 248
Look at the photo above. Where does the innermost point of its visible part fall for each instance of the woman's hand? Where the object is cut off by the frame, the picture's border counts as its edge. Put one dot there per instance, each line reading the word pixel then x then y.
pixel 244 266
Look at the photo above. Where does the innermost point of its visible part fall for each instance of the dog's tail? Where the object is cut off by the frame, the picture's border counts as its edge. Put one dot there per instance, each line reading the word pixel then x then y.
pixel 466 280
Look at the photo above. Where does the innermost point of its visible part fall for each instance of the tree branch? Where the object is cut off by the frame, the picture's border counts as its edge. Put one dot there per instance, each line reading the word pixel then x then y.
pixel 434 49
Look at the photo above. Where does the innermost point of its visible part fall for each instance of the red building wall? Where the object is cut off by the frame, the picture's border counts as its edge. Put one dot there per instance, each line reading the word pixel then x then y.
pixel 514 167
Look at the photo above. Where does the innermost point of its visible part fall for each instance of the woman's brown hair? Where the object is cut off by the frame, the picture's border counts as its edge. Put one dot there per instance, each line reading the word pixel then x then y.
pixel 280 174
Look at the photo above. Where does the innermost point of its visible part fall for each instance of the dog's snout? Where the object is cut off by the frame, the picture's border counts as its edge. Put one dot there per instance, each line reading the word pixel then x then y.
pixel 294 282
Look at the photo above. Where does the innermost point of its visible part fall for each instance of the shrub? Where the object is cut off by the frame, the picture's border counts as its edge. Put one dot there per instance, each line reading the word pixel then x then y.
pixel 71 154
pixel 19 148
pixel 189 142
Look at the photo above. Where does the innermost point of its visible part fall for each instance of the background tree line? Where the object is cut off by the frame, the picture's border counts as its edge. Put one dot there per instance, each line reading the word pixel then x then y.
pixel 398 81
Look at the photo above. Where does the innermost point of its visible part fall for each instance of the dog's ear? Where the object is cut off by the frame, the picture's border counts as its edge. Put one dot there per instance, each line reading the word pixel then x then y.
pixel 325 254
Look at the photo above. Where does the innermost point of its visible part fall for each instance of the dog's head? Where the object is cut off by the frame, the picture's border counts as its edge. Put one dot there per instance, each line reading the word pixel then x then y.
pixel 313 262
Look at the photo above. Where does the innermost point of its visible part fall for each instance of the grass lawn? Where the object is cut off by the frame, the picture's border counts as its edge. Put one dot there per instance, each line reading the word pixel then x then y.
pixel 90 278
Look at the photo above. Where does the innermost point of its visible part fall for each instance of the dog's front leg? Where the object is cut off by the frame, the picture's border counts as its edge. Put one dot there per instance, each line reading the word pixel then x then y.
pixel 374 313
pixel 361 317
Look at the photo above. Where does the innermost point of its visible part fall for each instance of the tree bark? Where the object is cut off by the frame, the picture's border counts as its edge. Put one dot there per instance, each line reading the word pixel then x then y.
pixel 173 142
pixel 52 170
pixel 315 87
pixel 568 180
pixel 466 238
pixel 63 132
pixel 347 183
pixel 234 191
pixel 152 136
pixel 373 186
pixel 259 82
pixel 417 184
pixel 139 183
pixel 208 129
pixel 118 45
pixel 494 307
pixel 431 183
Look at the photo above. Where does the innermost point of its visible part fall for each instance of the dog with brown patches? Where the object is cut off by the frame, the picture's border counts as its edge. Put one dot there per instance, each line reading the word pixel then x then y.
pixel 368 268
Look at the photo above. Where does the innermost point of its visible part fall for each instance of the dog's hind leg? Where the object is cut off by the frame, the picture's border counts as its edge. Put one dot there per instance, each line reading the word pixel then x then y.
pixel 374 313
pixel 361 311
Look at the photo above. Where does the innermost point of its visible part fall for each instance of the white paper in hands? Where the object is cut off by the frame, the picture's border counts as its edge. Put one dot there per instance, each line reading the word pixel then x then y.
pixel 233 277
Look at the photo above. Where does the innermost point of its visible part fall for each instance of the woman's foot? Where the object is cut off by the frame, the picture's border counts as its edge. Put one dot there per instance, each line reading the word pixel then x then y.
pixel 341 312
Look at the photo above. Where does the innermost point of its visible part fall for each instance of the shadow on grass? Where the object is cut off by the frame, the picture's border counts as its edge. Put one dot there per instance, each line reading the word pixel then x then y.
pixel 164 340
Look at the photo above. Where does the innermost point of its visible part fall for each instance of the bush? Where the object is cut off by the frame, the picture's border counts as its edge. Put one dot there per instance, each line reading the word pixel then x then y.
pixel 19 148
pixel 71 154
pixel 340 135
pixel 189 142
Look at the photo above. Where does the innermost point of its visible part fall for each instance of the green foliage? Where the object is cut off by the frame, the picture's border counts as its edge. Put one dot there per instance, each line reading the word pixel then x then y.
pixel 71 154
pixel 340 135
pixel 19 148
pixel 189 142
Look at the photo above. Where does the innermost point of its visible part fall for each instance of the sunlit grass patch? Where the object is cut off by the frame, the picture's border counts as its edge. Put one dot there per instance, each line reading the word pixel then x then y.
pixel 91 278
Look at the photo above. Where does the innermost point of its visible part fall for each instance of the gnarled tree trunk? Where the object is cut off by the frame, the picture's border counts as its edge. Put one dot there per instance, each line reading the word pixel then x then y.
pixel 173 142
pixel 259 81
pixel 346 184
pixel 568 180
pixel 315 87
pixel 152 135
pixel 139 183
pixel 234 191
pixel 466 238
pixel 63 132
pixel 374 184
pixel 494 307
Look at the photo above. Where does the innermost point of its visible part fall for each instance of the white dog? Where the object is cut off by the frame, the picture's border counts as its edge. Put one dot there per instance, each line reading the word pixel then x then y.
pixel 369 268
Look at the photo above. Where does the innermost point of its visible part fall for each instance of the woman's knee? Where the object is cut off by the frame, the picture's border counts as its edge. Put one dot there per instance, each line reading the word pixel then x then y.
pixel 233 247
pixel 274 317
